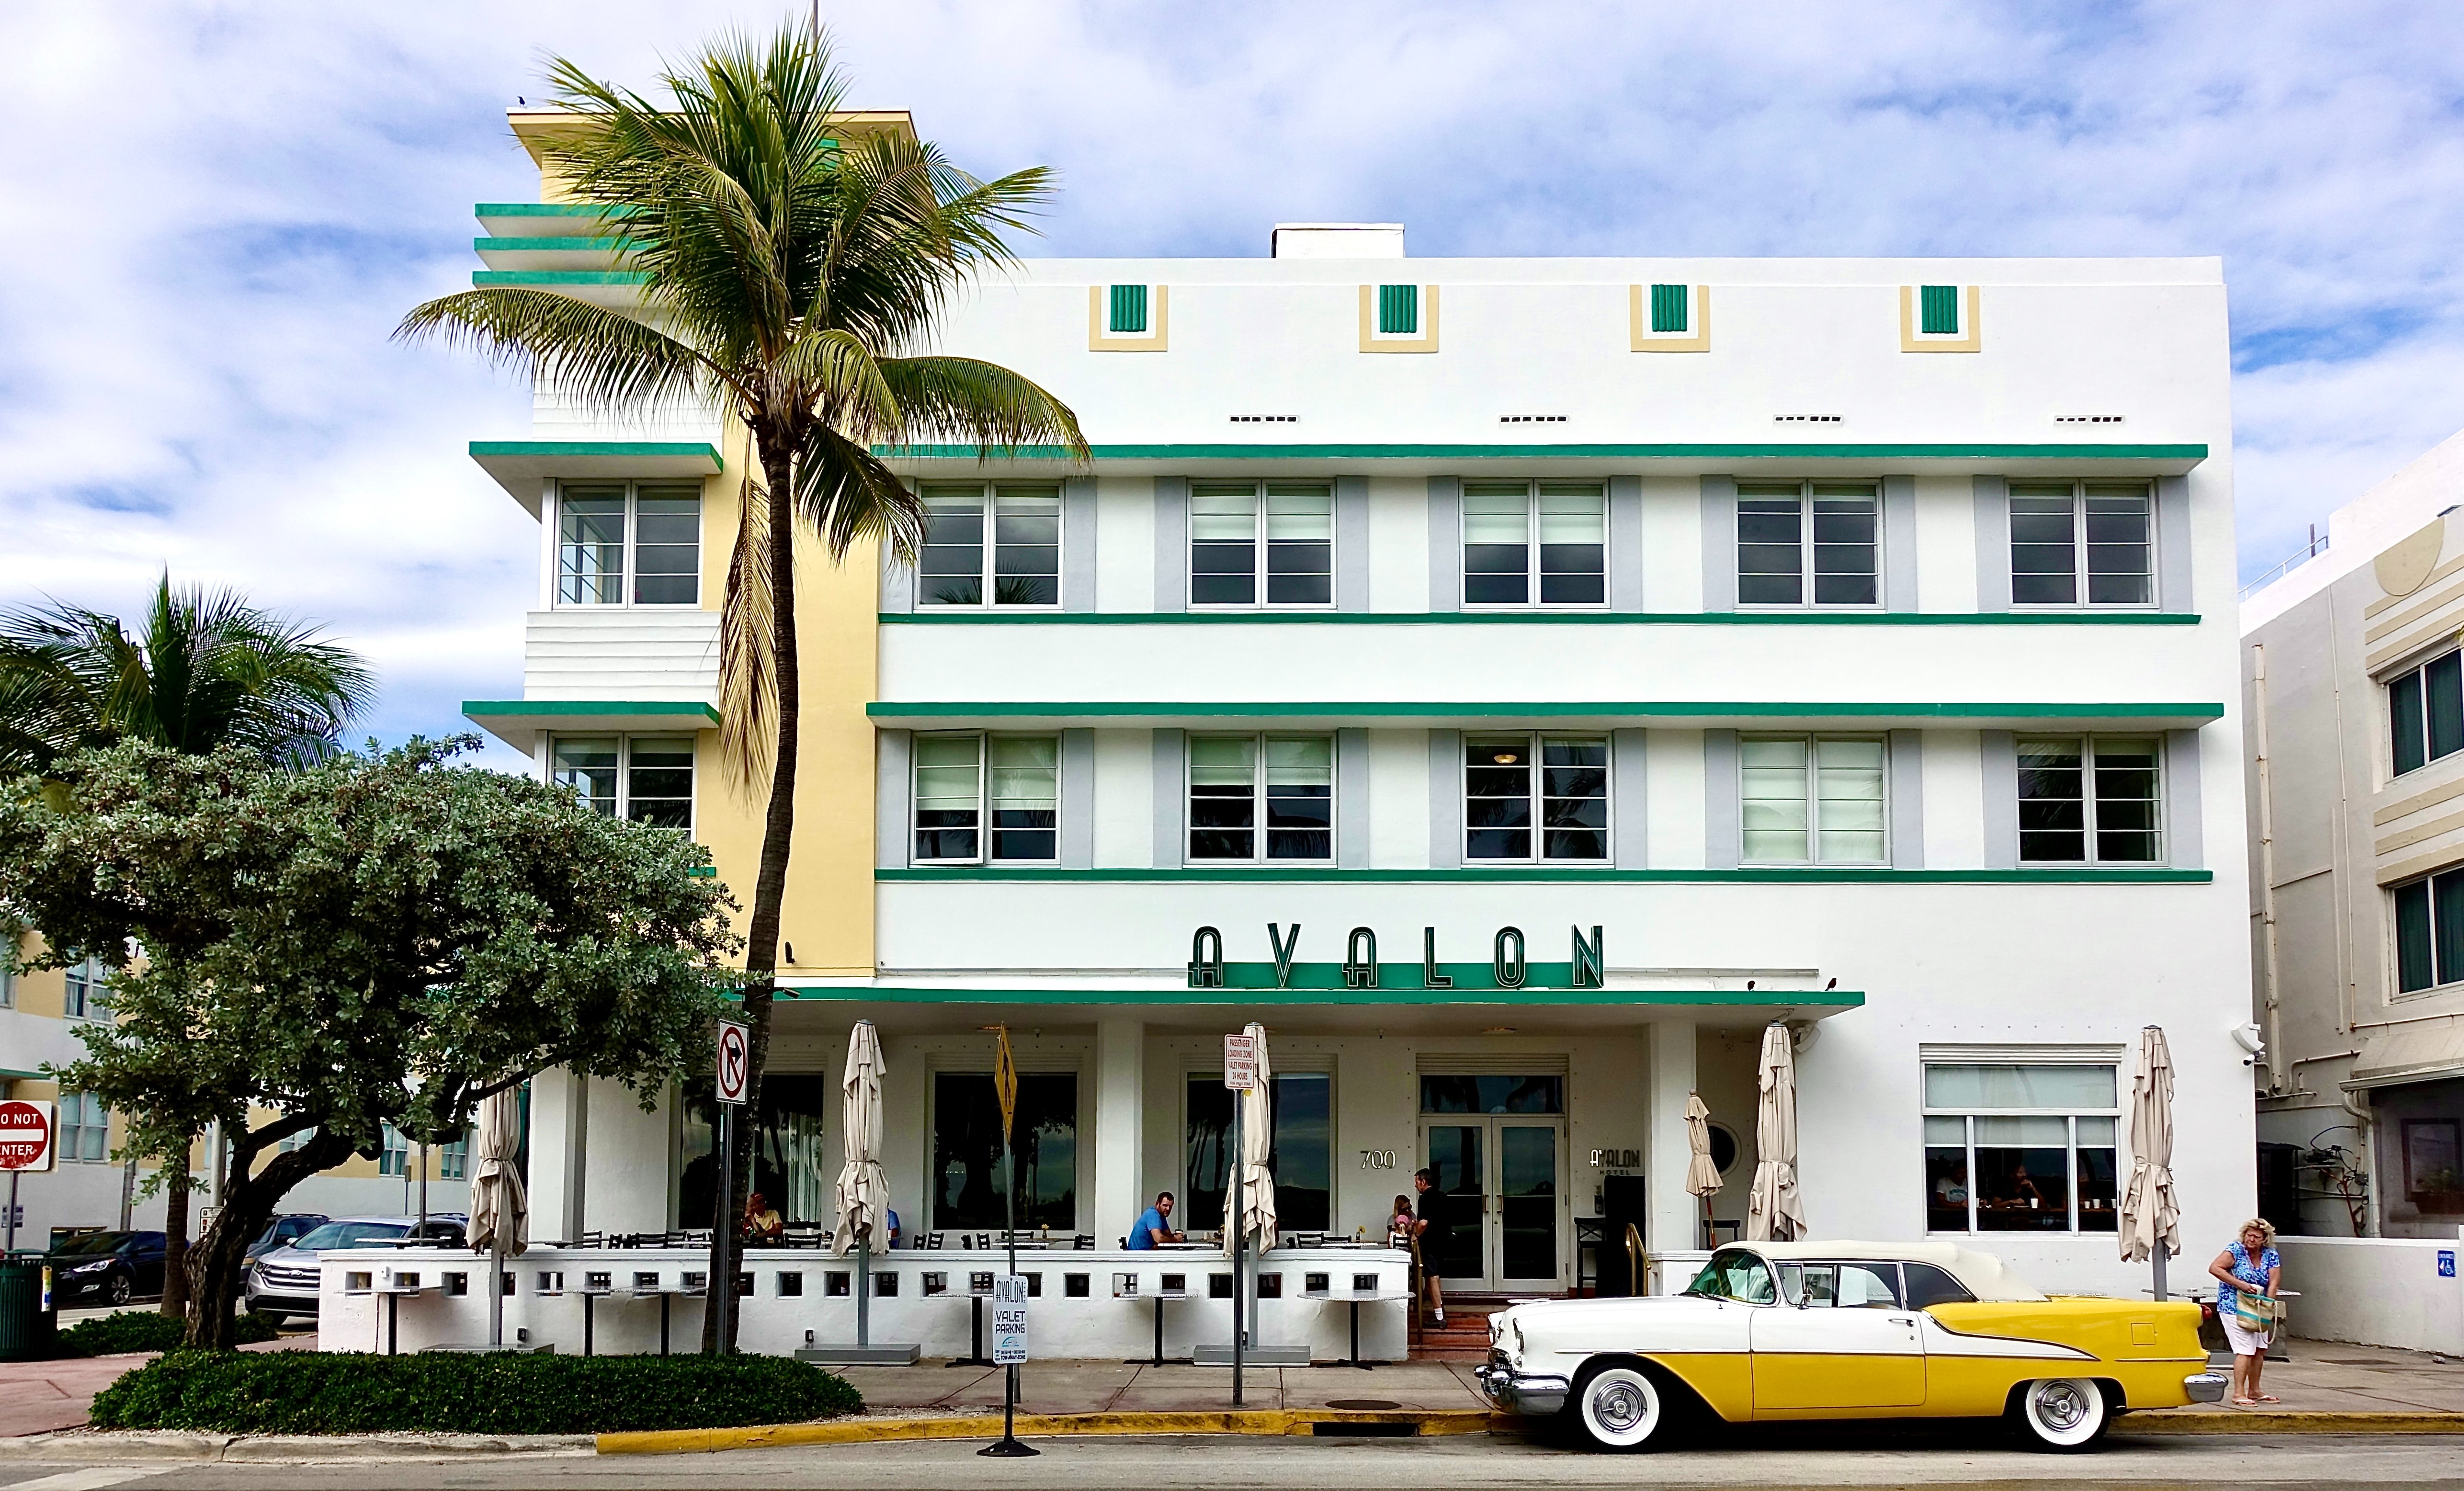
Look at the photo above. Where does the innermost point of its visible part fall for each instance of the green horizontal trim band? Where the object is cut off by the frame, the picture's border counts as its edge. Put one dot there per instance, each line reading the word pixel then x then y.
pixel 980 616
pixel 553 709
pixel 1602 709
pixel 1767 875
pixel 628 450
pixel 551 210
pixel 13 1074
pixel 575 244
pixel 1795 998
pixel 490 279
pixel 1571 450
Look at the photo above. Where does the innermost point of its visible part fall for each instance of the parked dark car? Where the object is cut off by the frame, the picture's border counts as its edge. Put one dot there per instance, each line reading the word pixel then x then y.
pixel 280 1232
pixel 106 1268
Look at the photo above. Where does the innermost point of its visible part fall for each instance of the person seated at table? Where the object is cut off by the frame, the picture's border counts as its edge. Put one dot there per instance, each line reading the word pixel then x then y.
pixel 762 1223
pixel 890 1232
pixel 1154 1227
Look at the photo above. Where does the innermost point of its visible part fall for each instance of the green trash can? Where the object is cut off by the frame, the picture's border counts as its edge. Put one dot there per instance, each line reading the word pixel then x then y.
pixel 29 1324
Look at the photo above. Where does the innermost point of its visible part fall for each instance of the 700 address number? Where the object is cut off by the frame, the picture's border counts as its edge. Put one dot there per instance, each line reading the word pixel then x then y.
pixel 1377 1159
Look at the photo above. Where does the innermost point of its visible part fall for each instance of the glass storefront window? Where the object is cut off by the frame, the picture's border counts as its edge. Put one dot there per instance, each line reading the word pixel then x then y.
pixel 2034 1149
pixel 789 1163
pixel 1493 1094
pixel 967 1151
pixel 1300 1159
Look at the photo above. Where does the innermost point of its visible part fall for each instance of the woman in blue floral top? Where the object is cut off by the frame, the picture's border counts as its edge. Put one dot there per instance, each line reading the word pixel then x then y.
pixel 2250 1266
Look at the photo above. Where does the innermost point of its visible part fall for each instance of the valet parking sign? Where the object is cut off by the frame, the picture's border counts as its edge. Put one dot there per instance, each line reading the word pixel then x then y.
pixel 1009 1320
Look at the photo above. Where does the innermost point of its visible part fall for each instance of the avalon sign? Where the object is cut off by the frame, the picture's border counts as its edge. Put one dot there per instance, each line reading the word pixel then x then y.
pixel 1507 968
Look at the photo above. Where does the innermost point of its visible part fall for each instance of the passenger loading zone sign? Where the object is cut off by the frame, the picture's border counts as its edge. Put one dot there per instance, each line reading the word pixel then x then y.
pixel 734 1061
pixel 26 1136
pixel 1009 1320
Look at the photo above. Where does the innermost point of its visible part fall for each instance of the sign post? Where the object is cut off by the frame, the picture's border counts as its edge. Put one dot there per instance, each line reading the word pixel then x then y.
pixel 26 1131
pixel 1240 1075
pixel 1009 1291
pixel 734 1071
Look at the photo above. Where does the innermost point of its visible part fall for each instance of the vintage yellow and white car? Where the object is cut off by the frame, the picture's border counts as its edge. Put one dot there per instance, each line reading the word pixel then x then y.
pixel 1809 1330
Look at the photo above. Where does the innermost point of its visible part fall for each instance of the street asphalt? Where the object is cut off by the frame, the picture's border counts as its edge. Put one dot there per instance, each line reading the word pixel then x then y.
pixel 1810 1457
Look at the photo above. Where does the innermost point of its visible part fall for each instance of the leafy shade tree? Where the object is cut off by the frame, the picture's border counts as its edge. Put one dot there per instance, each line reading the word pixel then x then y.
pixel 205 672
pixel 791 278
pixel 371 939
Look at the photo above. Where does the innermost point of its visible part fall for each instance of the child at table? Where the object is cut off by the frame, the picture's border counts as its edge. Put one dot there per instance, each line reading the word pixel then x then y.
pixel 1401 1219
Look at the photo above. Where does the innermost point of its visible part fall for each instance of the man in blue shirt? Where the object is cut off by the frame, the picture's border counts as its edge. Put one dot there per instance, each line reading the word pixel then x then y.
pixel 1154 1227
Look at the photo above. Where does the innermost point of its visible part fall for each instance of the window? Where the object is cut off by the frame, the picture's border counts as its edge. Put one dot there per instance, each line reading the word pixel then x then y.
pixel 292 1141
pixel 1399 310
pixel 394 1157
pixel 1787 529
pixel 2425 713
pixel 2017 1148
pixel 2047 520
pixel 1523 539
pixel 1024 552
pixel 1938 310
pixel 1500 1094
pixel 1238 530
pixel 2429 931
pixel 1573 798
pixel 87 993
pixel 1812 799
pixel 1840 1285
pixel 954 776
pixel 85 1128
pixel 967 1151
pixel 453 1161
pixel 1668 308
pixel 1301 1158
pixel 2062 821
pixel 640 779
pixel 664 519
pixel 8 983
pixel 1733 1274
pixel 1225 782
pixel 1128 308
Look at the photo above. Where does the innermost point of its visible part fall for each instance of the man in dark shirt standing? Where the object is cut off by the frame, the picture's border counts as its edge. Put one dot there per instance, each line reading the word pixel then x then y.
pixel 1429 1230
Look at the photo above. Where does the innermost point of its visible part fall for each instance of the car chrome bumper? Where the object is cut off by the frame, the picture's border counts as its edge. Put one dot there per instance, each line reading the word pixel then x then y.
pixel 1517 1393
pixel 2205 1386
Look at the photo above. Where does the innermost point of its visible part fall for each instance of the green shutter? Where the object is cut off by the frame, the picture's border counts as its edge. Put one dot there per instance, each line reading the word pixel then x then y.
pixel 1941 310
pixel 1130 309
pixel 1668 308
pixel 1399 310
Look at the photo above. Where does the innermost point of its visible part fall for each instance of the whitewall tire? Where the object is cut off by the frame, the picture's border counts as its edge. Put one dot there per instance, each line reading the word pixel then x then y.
pixel 1620 1409
pixel 2062 1414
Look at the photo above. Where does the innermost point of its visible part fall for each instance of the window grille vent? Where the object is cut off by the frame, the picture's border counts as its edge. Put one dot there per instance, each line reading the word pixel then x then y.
pixel 1265 419
pixel 1806 419
pixel 1531 419
pixel 2087 419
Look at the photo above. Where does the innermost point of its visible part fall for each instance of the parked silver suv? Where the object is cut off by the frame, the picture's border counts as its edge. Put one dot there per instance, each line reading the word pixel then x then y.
pixel 283 1282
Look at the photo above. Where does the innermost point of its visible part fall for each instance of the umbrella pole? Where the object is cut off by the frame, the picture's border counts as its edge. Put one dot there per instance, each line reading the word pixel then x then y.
pixel 2157 1255
pixel 497 1279
pixel 862 1294
pixel 1236 1197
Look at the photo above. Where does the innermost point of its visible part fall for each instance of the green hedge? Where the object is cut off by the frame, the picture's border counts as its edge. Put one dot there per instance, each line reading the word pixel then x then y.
pixel 347 1392
pixel 149 1330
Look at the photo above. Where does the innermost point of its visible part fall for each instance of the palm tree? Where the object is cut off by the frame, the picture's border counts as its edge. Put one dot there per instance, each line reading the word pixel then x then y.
pixel 791 280
pixel 208 671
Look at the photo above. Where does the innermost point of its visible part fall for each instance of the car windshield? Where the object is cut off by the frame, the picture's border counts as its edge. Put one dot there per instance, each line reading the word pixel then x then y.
pixel 93 1242
pixel 343 1235
pixel 1734 1274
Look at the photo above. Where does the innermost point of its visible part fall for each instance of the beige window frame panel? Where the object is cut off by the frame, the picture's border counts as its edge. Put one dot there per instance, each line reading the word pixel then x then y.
pixel 1641 338
pixel 1370 341
pixel 1101 338
pixel 1972 341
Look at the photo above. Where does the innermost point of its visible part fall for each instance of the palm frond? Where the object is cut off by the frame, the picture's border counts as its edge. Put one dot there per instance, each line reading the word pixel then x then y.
pixel 587 353
pixel 845 494
pixel 964 400
pixel 748 678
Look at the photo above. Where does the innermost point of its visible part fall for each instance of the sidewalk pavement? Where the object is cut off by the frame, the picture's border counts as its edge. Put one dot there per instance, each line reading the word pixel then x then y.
pixel 38 1397
pixel 2335 1377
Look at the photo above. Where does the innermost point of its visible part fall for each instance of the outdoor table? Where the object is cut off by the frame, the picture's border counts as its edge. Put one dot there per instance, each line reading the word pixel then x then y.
pixel 979 1288
pixel 1164 1290
pixel 593 1285
pixel 1355 1300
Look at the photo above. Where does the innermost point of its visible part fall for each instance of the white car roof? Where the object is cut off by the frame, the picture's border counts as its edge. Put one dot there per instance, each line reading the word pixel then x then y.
pixel 1981 1274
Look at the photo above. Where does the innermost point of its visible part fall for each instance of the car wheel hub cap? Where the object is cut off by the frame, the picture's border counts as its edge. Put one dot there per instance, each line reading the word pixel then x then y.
pixel 1619 1407
pixel 2061 1409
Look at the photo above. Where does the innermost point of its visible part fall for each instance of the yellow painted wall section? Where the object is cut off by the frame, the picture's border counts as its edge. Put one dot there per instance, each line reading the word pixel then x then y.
pixel 46 993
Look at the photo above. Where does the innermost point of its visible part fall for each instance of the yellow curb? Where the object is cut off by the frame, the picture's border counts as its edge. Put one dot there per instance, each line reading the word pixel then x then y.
pixel 988 1426
pixel 2288 1421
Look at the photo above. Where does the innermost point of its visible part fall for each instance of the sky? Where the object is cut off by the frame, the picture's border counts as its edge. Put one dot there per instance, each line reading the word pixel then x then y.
pixel 218 214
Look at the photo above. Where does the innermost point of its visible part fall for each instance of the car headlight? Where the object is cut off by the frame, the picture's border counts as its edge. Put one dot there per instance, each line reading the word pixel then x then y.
pixel 94 1267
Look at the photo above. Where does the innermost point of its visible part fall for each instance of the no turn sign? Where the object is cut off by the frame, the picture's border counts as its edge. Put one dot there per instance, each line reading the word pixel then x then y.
pixel 26 1136
pixel 734 1061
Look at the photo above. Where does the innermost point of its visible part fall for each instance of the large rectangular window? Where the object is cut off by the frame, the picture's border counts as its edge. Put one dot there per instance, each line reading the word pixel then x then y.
pixel 1228 777
pixel 1805 800
pixel 2090 799
pixel 966 1176
pixel 87 990
pixel 2062 530
pixel 85 1128
pixel 1535 798
pixel 983 798
pixel 618 539
pixel 1525 540
pixel 990 544
pixel 1828 530
pixel 639 779
pixel 2429 931
pixel 2021 1147
pixel 1238 531
pixel 1301 1157
pixel 2425 713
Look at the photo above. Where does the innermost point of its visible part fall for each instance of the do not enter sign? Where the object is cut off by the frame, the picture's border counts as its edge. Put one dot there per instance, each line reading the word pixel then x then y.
pixel 25 1136
pixel 734 1061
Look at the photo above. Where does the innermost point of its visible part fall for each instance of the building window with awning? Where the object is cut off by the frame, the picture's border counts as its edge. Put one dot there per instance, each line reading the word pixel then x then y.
pixel 1812 800
pixel 1557 812
pixel 622 543
pixel 1020 564
pixel 2090 799
pixel 639 779
pixel 987 798
pixel 1254 798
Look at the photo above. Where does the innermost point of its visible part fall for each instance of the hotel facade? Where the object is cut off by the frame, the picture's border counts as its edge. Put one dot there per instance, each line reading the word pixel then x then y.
pixel 1516 683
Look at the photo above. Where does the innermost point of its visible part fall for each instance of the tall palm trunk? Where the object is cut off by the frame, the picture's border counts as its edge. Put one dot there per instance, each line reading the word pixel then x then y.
pixel 770 885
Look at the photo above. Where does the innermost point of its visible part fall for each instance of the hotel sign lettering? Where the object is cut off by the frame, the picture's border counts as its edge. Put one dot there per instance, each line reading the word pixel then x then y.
pixel 1507 968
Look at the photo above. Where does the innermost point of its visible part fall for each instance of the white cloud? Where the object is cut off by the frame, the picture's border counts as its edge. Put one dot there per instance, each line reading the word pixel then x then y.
pixel 219 212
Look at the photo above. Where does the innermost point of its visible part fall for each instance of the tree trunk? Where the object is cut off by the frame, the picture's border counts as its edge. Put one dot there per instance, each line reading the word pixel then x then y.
pixel 248 1203
pixel 175 1241
pixel 770 886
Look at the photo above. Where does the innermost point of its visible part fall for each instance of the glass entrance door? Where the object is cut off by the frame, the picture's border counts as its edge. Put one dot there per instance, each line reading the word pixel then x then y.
pixel 1503 1182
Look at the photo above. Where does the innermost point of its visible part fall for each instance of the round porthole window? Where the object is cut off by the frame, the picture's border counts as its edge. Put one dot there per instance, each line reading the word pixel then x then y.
pixel 1724 1148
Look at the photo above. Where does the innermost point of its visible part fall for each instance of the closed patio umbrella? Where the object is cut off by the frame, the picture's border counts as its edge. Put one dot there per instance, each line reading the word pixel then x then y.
pixel 1702 1176
pixel 500 1210
pixel 863 1189
pixel 1774 1213
pixel 1257 1143
pixel 2152 1220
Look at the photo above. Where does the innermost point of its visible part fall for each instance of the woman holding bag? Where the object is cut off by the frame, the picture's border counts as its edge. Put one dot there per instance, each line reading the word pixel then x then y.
pixel 2247 1274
